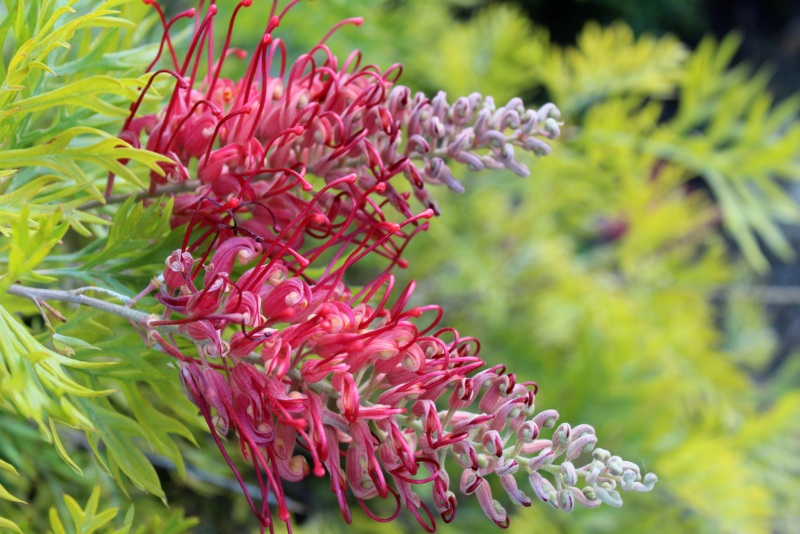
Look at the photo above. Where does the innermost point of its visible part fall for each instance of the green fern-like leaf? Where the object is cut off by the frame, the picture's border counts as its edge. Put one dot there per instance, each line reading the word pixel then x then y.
pixel 53 149
pixel 609 62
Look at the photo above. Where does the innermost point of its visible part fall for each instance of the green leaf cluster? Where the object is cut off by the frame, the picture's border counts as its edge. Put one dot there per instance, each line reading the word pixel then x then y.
pixel 70 71
pixel 63 83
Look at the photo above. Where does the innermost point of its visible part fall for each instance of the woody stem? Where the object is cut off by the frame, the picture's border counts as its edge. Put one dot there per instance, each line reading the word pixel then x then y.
pixel 76 297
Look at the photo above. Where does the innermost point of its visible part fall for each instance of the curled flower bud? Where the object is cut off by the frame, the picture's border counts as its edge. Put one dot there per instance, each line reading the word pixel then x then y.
pixel 580 445
pixel 601 455
pixel 596 468
pixel 552 128
pixel 565 500
pixel 609 497
pixel 527 432
pixel 542 487
pixel 568 473
pixel 650 480
pixel 470 480
pixel 492 508
pixel 179 265
pixel 546 419
pixel 628 478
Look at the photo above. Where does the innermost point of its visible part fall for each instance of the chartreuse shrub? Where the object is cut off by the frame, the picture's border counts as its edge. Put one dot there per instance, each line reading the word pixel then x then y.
pixel 599 272
pixel 70 72
pixel 202 247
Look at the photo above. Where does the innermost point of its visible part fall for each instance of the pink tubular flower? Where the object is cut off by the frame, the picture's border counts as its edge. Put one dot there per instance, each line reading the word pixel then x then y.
pixel 293 187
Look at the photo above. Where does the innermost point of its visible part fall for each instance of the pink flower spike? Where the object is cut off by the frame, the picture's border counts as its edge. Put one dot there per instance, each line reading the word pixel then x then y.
pixel 291 192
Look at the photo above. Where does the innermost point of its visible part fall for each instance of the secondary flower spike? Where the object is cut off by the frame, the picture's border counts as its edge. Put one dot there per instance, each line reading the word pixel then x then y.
pixel 290 181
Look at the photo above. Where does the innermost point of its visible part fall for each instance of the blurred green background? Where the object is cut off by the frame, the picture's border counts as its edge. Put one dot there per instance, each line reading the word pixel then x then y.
pixel 644 275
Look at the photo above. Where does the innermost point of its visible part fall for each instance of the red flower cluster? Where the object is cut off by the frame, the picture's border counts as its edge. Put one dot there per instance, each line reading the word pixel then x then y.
pixel 289 182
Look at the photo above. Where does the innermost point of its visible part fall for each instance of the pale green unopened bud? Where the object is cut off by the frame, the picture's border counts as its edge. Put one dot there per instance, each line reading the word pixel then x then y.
pixel 596 468
pixel 609 497
pixel 628 478
pixel 615 466
pixel 552 128
pixel 650 480
pixel 601 455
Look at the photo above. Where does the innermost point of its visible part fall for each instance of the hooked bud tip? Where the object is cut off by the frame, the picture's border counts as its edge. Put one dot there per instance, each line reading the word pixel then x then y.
pixel 391 227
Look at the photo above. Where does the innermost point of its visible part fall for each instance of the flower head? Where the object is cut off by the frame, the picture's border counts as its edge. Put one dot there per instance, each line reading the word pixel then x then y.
pixel 291 185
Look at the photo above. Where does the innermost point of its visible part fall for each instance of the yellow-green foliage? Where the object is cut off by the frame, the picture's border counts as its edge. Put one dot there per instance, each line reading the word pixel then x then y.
pixel 595 276
pixel 63 82
pixel 70 70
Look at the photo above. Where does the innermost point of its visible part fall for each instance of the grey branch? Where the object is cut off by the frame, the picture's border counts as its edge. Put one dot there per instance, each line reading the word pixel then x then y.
pixel 77 297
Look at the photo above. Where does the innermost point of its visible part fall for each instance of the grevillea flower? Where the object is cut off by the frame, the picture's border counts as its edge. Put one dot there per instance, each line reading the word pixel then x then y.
pixel 289 184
